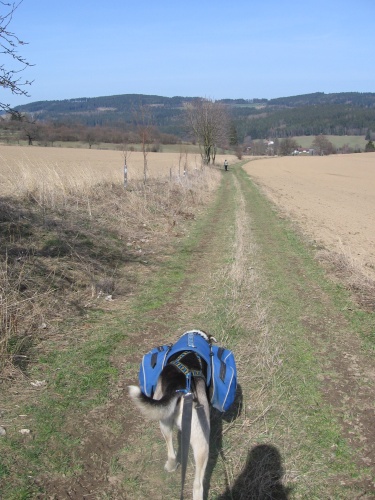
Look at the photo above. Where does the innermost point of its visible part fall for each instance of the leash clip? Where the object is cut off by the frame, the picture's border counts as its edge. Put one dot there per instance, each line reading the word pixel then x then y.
pixel 187 389
pixel 188 383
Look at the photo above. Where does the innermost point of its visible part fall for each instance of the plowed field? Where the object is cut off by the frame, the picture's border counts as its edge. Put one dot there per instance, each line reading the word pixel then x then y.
pixel 331 197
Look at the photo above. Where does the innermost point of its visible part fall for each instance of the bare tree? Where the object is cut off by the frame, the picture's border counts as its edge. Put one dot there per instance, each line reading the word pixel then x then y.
pixel 90 139
pixel 258 148
pixel 208 121
pixel 9 44
pixel 323 146
pixel 287 146
pixel 31 131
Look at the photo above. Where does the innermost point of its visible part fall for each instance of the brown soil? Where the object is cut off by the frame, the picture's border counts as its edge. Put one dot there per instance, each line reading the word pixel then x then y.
pixel 331 197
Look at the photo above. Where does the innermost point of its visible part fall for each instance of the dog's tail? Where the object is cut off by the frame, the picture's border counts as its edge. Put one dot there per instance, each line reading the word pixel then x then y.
pixel 154 409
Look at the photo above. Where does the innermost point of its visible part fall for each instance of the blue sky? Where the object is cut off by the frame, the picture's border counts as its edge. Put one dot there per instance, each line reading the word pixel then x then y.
pixel 216 49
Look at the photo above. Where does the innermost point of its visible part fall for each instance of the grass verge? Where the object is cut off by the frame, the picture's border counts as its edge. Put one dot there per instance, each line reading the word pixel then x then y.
pixel 72 372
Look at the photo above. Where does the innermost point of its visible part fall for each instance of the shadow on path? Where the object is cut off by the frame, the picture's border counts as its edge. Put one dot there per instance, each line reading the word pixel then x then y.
pixel 262 475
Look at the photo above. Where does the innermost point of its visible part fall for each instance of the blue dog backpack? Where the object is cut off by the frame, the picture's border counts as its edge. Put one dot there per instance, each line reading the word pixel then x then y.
pixel 151 367
pixel 221 368
pixel 223 385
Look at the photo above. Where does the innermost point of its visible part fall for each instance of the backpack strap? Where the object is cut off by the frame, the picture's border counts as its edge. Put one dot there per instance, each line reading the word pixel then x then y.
pixel 198 342
pixel 188 372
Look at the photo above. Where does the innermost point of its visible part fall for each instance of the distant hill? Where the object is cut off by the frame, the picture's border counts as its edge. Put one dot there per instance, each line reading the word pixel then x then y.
pixel 115 111
pixel 357 99
pixel 351 113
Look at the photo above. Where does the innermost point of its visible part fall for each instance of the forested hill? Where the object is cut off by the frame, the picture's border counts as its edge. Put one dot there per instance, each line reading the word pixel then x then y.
pixel 166 113
pixel 357 99
pixel 309 114
pixel 346 113
pixel 119 103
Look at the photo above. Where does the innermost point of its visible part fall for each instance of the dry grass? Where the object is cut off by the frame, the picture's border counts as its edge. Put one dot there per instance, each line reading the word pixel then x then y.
pixel 349 271
pixel 21 315
pixel 64 171
pixel 67 237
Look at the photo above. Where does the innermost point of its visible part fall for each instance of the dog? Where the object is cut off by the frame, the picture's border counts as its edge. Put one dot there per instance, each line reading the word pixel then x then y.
pixel 184 375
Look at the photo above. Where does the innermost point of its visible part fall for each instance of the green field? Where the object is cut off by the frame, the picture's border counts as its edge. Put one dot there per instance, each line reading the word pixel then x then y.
pixel 353 141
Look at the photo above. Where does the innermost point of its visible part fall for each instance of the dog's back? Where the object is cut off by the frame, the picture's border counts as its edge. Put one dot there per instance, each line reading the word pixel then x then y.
pixel 167 406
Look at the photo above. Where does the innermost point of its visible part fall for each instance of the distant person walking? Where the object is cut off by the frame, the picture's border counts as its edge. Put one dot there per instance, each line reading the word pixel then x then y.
pixel 226 164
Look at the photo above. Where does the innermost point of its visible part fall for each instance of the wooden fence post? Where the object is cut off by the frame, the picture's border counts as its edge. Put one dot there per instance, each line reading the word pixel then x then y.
pixel 125 175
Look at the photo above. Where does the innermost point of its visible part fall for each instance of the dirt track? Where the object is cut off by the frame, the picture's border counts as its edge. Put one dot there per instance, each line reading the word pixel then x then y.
pixel 332 198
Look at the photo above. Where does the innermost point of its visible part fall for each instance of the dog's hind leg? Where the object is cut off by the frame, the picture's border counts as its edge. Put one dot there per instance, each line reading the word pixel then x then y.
pixel 201 451
pixel 166 427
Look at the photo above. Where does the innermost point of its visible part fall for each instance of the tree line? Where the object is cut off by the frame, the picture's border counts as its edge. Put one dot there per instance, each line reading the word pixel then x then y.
pixel 18 128
pixel 207 123
pixel 311 114
pixel 259 122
